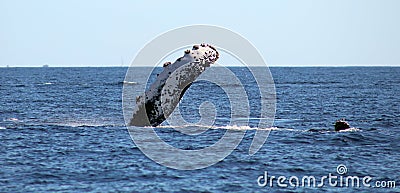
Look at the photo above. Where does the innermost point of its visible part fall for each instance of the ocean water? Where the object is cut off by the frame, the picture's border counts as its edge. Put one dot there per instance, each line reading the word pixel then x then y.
pixel 62 129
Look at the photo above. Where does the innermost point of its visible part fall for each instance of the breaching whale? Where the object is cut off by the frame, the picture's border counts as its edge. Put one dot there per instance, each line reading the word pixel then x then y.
pixel 164 94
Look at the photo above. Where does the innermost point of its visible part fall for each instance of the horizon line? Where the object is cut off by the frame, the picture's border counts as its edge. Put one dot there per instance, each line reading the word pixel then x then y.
pixel 272 65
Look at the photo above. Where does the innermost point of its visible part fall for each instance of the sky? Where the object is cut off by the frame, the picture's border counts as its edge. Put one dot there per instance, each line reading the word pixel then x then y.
pixel 286 32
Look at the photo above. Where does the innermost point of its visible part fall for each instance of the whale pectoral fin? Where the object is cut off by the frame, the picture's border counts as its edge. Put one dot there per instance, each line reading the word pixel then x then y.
pixel 173 81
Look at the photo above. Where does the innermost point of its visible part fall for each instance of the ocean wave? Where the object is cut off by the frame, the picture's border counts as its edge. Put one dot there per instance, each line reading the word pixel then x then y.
pixel 12 119
pixel 84 124
pixel 226 127
pixel 74 123
pixel 19 85
pixel 306 82
pixel 327 130
pixel 249 128
pixel 130 83
pixel 120 83
pixel 351 129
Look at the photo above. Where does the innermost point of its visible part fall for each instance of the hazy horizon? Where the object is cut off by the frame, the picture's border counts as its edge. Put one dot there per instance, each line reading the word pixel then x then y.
pixel 125 66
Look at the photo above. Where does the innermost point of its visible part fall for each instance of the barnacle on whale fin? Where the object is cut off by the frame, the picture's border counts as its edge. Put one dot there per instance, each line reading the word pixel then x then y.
pixel 158 102
pixel 166 64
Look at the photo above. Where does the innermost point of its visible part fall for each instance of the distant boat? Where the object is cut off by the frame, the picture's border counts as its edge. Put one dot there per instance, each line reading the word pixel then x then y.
pixel 45 66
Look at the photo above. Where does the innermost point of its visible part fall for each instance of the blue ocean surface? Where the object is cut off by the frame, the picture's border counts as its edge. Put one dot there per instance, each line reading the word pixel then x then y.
pixel 63 129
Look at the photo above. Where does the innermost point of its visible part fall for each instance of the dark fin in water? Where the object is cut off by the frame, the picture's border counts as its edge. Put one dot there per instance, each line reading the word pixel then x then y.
pixel 341 125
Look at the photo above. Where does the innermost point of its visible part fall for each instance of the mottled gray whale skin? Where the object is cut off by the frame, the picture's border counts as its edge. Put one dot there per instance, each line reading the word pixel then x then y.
pixel 159 101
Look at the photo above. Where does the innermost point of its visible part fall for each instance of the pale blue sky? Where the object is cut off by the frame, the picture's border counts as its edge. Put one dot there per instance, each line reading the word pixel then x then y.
pixel 286 32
